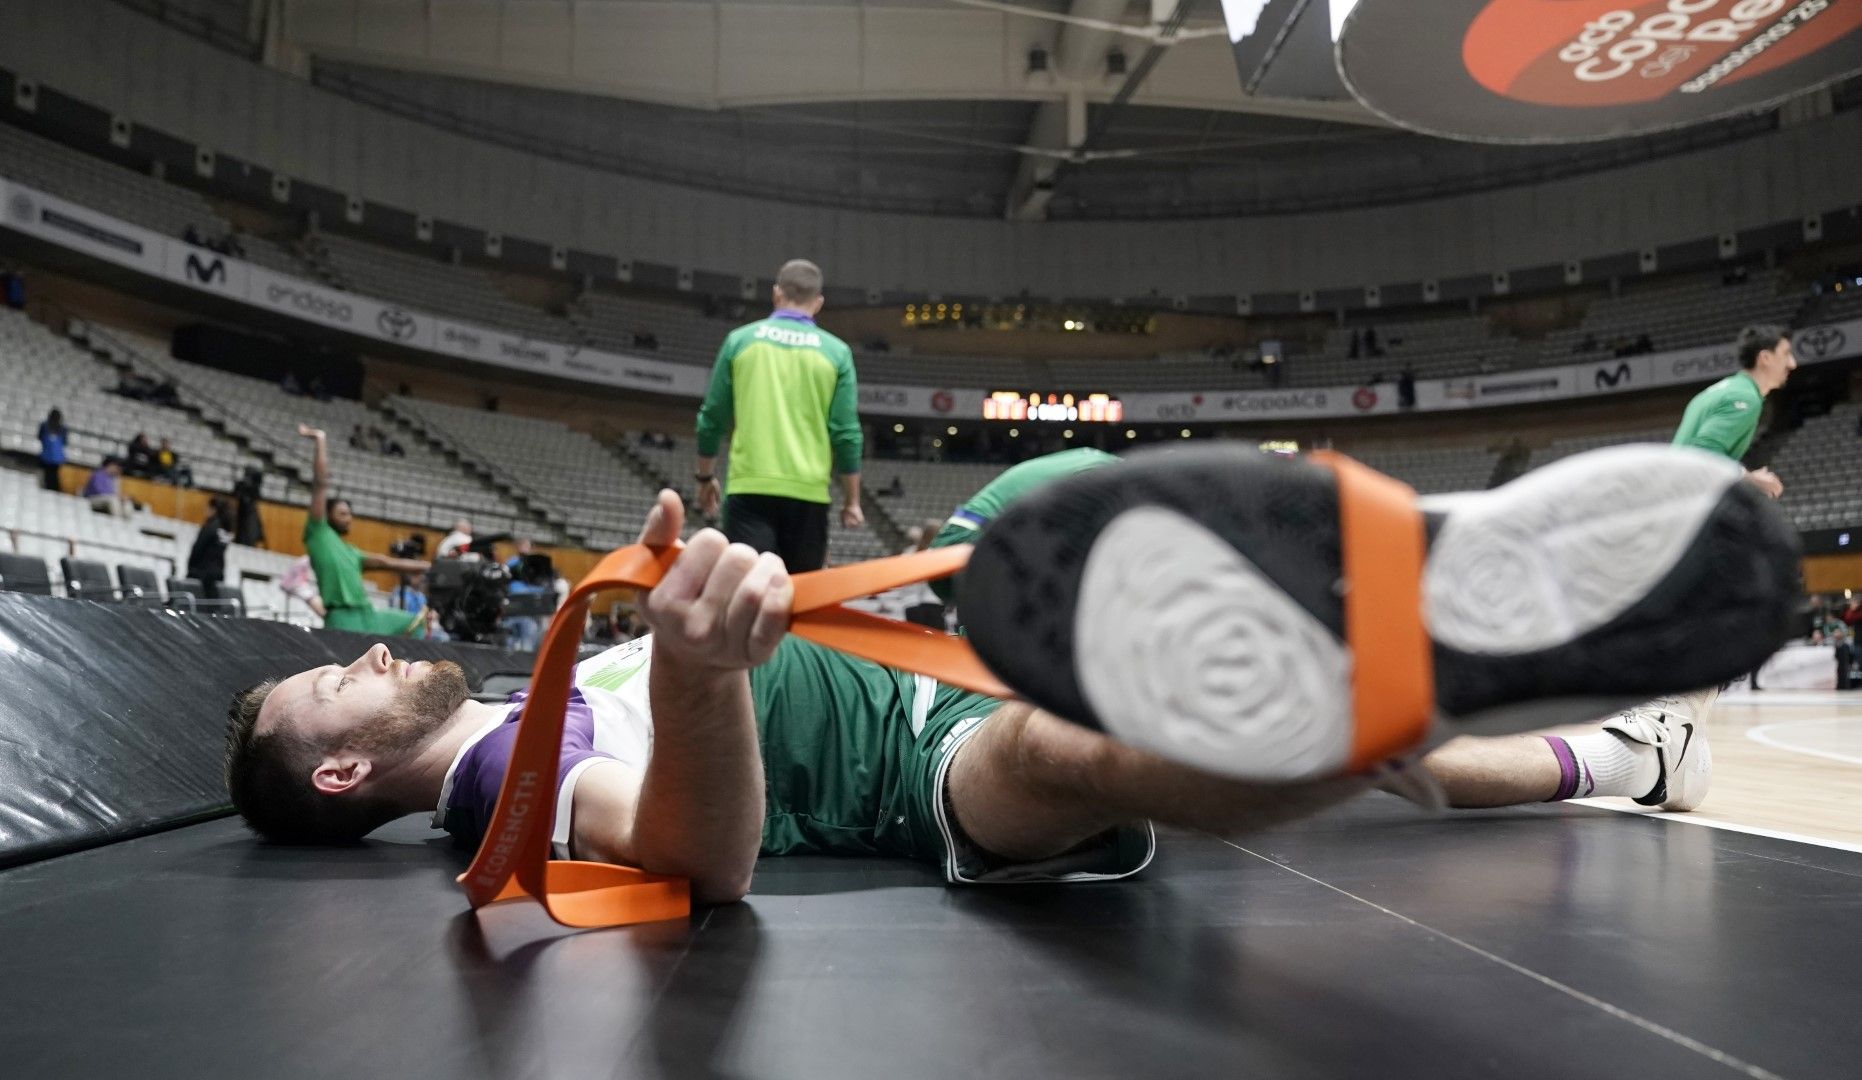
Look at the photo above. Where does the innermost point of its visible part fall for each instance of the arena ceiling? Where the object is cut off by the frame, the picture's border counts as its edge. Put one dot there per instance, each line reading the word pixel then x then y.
pixel 1028 109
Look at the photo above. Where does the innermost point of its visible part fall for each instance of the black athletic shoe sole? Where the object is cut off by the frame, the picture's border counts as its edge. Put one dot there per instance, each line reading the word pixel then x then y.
pixel 1190 601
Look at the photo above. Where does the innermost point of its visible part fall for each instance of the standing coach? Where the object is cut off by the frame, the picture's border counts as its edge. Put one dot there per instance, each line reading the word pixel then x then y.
pixel 788 387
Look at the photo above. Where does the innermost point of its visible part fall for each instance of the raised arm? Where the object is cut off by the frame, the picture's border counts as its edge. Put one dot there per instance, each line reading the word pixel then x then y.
pixel 319 472
pixel 399 566
pixel 697 810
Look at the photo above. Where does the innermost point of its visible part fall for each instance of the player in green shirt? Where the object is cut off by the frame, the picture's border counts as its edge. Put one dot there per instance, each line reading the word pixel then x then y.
pixel 1724 417
pixel 981 508
pixel 783 389
pixel 339 566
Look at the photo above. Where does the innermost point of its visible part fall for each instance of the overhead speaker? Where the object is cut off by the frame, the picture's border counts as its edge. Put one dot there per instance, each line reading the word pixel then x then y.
pixel 559 257
pixel 26 95
pixel 204 162
pixel 1574 272
pixel 120 131
pixel 1647 262
pixel 1813 227
pixel 1502 283
pixel 1431 290
pixel 353 209
pixel 1373 296
pixel 423 228
pixel 494 245
pixel 281 188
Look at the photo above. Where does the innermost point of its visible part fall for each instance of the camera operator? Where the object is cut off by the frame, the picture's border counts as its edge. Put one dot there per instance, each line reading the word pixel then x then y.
pixel 530 576
pixel 409 596
pixel 339 566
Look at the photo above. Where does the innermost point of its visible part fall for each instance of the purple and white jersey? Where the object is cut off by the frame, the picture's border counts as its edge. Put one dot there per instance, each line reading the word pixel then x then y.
pixel 608 720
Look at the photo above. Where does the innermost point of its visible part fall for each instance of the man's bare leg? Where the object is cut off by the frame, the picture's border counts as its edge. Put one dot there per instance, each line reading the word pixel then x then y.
pixel 1503 771
pixel 1029 785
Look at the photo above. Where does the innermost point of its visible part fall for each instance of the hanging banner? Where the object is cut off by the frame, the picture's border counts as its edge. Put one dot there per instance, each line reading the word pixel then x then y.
pixel 1557 71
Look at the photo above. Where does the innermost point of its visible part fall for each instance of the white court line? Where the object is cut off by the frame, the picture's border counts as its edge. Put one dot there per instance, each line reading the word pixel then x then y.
pixel 1716 823
pixel 1685 1042
pixel 1763 735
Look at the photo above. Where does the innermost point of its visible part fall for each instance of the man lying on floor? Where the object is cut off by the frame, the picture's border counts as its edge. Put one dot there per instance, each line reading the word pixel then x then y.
pixel 718 738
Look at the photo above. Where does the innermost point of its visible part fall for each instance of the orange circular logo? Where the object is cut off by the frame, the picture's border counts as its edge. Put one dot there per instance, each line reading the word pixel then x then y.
pixel 1572 70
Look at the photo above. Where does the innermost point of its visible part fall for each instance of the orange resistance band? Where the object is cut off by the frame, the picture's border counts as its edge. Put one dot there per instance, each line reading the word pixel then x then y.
pixel 514 861
pixel 1392 690
pixel 1392 670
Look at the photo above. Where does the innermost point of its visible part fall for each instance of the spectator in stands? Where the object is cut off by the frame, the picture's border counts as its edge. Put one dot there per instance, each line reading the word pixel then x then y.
pixel 1845 658
pixel 206 560
pixel 168 465
pixel 290 385
pixel 101 489
pixel 338 565
pixel 13 290
pixel 787 390
pixel 1852 612
pixel 645 339
pixel 52 436
pixel 456 543
pixel 249 526
pixel 1371 347
pixel 139 457
pixel 1406 389
pixel 133 386
pixel 357 440
pixel 166 394
pixel 1644 343
pixel 895 489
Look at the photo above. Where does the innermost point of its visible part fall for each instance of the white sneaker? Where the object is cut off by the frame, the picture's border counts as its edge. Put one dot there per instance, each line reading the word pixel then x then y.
pixel 1676 728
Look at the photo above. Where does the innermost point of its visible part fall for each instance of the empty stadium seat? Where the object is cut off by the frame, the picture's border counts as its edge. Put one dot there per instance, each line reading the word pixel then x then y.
pixel 24 574
pixel 87 580
pixel 138 583
pixel 186 594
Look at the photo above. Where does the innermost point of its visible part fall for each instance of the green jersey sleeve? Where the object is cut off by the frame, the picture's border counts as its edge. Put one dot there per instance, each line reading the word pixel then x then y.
pixel 844 417
pixel 716 414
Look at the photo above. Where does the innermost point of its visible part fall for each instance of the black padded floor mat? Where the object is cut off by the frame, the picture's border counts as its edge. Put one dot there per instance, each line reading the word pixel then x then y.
pixel 1369 942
